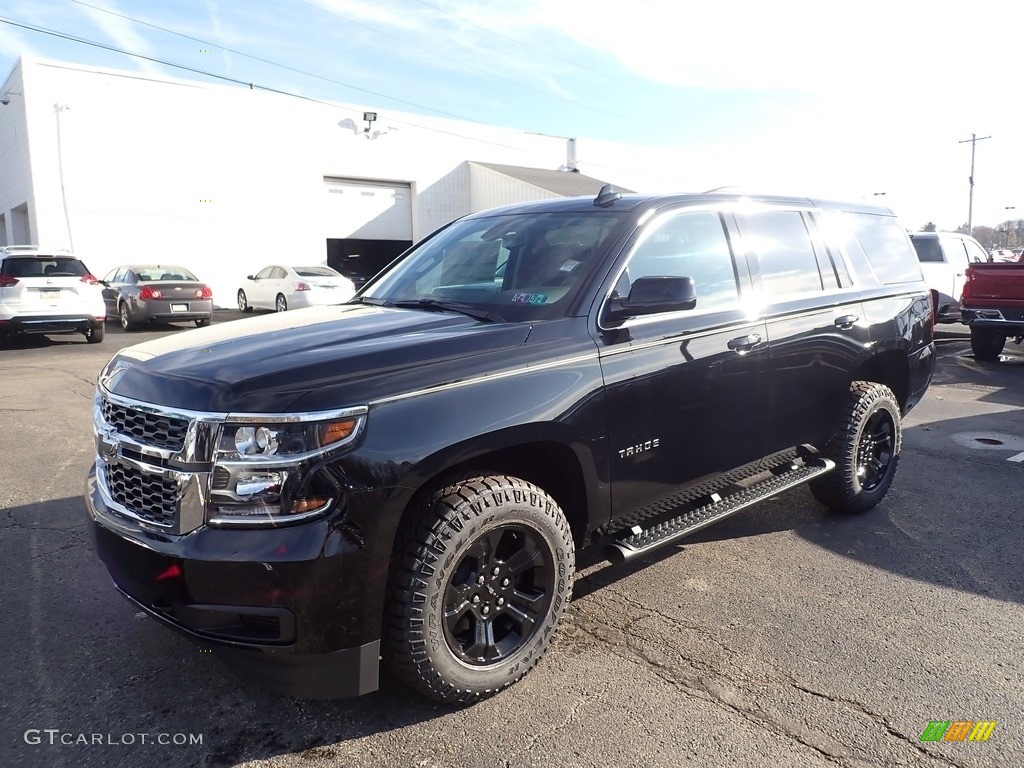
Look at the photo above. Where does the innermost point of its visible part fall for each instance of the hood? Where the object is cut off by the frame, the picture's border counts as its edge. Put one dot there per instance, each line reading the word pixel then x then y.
pixel 327 357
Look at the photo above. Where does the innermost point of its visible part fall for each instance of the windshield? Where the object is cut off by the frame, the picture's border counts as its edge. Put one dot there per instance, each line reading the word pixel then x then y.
pixel 525 266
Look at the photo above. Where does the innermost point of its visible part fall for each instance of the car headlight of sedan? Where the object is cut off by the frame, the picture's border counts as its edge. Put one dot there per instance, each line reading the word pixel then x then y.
pixel 268 469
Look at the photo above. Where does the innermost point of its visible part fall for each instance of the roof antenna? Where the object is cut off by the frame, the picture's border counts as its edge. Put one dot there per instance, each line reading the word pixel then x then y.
pixel 606 196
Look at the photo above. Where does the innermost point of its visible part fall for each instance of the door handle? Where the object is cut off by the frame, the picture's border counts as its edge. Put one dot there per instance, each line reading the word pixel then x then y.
pixel 743 344
pixel 845 322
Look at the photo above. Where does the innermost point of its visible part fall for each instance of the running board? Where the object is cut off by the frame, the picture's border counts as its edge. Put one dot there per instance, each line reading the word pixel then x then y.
pixel 639 540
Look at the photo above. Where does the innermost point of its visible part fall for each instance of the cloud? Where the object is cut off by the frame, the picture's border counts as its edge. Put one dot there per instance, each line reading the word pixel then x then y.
pixel 121 33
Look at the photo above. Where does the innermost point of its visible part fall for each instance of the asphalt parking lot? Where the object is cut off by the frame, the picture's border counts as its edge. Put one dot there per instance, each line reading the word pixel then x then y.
pixel 785 636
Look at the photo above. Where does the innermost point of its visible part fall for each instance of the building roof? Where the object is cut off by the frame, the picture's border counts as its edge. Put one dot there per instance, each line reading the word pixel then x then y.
pixel 566 183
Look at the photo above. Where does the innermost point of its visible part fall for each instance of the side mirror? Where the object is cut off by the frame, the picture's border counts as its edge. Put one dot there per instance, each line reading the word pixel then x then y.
pixel 654 295
pixel 249 277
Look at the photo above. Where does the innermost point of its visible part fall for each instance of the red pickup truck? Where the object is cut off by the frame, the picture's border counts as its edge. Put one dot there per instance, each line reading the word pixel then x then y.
pixel 992 305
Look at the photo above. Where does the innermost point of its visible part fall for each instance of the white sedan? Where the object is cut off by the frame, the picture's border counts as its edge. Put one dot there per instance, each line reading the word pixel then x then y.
pixel 280 288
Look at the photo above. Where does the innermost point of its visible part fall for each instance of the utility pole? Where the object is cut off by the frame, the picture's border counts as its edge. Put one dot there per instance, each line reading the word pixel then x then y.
pixel 970 200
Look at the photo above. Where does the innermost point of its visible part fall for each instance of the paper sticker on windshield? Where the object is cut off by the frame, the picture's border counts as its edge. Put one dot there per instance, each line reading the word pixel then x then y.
pixel 569 266
pixel 529 298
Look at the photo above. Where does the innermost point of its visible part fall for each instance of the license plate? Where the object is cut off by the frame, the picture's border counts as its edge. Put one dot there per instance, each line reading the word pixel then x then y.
pixel 51 294
pixel 179 307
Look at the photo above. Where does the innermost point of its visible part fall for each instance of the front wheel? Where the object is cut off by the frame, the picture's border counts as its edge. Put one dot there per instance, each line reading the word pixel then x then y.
pixel 987 343
pixel 281 303
pixel 243 302
pixel 865 448
pixel 126 320
pixel 479 583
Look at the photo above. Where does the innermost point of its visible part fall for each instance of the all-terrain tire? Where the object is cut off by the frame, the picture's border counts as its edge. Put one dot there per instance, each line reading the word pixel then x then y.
pixel 987 343
pixel 479 582
pixel 866 449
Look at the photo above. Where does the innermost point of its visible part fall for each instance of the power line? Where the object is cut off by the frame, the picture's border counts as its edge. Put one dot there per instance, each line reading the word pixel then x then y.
pixel 250 85
pixel 268 61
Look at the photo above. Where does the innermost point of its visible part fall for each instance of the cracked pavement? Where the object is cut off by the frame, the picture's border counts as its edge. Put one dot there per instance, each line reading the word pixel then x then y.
pixel 783 636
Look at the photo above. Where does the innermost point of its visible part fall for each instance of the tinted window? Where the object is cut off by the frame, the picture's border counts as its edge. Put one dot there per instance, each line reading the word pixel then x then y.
pixel 927 248
pixel 785 256
pixel 691 244
pixel 45 266
pixel 887 247
pixel 316 272
pixel 834 273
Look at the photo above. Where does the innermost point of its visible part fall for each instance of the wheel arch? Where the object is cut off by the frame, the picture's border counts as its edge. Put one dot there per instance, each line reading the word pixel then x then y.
pixel 549 463
pixel 890 368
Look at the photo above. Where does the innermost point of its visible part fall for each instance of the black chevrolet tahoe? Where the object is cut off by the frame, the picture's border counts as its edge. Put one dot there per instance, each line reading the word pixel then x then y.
pixel 408 476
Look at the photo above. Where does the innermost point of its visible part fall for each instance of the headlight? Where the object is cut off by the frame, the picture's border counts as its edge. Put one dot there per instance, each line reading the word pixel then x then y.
pixel 263 471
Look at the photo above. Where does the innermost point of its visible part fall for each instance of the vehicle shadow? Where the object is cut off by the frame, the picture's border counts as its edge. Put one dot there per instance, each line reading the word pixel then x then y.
pixel 948 520
pixel 91 663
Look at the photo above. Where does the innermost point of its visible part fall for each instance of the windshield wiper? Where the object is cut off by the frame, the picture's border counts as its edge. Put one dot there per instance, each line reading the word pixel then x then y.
pixel 371 301
pixel 446 306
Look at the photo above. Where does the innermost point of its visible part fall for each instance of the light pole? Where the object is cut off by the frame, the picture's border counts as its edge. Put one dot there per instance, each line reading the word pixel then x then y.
pixel 970 200
pixel 1009 224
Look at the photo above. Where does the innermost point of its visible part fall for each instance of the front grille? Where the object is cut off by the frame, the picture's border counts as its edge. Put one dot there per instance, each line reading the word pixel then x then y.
pixel 146 428
pixel 148 497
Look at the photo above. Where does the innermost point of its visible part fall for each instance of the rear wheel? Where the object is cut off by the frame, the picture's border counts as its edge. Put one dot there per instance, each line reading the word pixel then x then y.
pixel 865 448
pixel 95 334
pixel 987 343
pixel 243 302
pixel 126 320
pixel 478 587
pixel 281 303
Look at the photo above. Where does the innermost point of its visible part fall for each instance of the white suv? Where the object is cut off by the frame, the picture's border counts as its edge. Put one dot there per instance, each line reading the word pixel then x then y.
pixel 45 291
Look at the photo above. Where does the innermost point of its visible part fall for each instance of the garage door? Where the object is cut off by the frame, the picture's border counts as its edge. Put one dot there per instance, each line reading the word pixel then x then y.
pixel 368 210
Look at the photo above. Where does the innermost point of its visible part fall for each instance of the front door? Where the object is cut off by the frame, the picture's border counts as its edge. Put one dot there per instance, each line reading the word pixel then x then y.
pixel 685 390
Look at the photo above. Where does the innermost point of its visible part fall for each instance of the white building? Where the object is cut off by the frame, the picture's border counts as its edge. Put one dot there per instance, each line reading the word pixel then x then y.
pixel 122 167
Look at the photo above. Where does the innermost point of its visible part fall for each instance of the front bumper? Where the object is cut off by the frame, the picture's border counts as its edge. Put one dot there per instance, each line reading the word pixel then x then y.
pixel 287 606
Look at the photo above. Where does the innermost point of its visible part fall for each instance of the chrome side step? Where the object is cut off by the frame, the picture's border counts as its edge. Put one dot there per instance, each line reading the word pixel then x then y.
pixel 639 540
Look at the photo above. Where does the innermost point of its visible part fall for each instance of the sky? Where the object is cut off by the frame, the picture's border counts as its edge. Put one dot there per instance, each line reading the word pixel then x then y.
pixel 869 100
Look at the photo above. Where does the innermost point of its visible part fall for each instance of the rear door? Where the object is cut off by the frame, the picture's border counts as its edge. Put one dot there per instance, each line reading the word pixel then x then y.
pixel 685 390
pixel 816 326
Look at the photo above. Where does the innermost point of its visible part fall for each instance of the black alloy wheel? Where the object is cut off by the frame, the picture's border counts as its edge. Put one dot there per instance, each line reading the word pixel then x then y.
pixel 865 448
pixel 498 595
pixel 480 578
pixel 875 449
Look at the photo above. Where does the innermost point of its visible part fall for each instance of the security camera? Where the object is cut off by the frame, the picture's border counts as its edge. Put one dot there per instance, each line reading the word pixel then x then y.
pixel 5 100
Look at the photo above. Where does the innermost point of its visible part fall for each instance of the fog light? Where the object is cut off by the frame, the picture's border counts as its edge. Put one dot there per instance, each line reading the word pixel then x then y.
pixel 259 483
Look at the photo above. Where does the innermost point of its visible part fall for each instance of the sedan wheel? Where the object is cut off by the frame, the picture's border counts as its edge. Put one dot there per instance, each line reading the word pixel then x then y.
pixel 243 302
pixel 281 304
pixel 126 322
